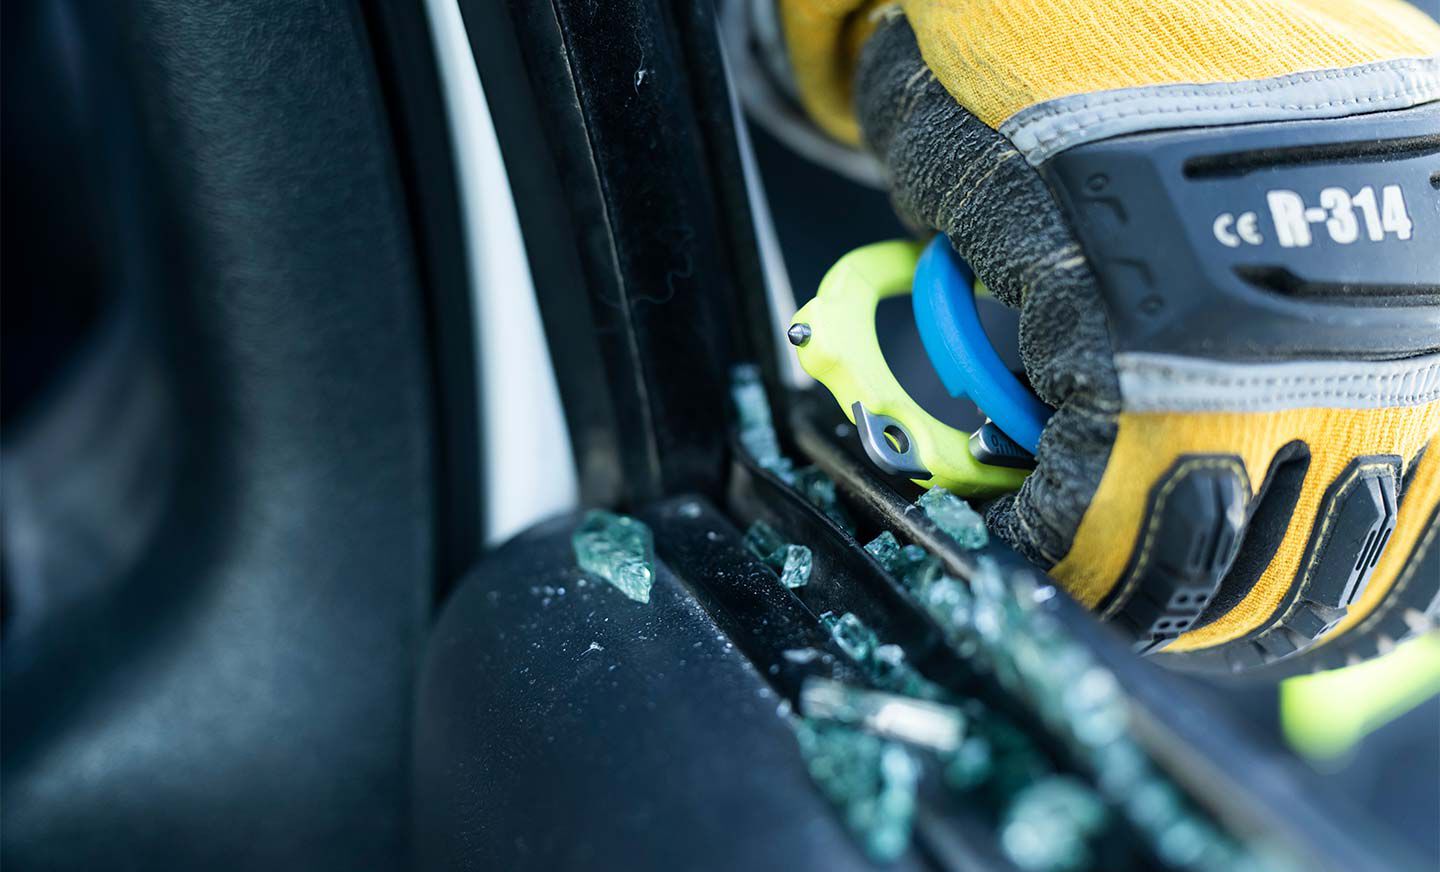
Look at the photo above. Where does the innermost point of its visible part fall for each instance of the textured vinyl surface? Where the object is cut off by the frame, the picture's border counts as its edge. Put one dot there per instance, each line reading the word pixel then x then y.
pixel 241 700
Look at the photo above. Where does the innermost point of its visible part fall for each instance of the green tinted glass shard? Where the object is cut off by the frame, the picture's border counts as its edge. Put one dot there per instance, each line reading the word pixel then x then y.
pixel 1017 762
pixel 1120 766
pixel 954 517
pixel 762 540
pixel 988 583
pixel 885 550
pixel 793 563
pixel 1049 825
pixel 618 549
pixel 889 824
pixel 889 668
pixel 1153 806
pixel 818 489
pixel 915 567
pixel 1186 841
pixel 757 431
pixel 970 765
pixel 888 659
pixel 1095 708
pixel 1072 799
pixel 949 602
pixel 854 638
pixel 999 621
pixel 883 664
pixel 872 782
pixel 912 565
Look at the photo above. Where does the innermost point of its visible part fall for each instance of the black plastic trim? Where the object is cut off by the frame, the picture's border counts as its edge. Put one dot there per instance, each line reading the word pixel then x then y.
pixel 1194 521
pixel 1354 521
pixel 1173 223
pixel 616 129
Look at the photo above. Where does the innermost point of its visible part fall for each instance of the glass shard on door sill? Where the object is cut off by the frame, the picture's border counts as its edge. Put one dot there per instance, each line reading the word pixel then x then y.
pixel 794 565
pixel 954 517
pixel 618 549
pixel 870 780
pixel 791 561
pixel 1049 826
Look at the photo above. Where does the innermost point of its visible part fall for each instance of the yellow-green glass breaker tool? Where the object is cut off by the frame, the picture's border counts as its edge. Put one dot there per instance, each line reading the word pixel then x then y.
pixel 836 341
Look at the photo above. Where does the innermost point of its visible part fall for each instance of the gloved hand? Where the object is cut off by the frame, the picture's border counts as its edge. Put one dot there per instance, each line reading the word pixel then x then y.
pixel 1237 325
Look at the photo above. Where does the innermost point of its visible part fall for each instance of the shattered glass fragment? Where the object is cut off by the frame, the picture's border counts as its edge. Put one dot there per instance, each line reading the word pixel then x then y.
pixel 1002 622
pixel 762 539
pixel 1018 762
pixel 924 723
pixel 759 440
pixel 870 780
pixel 889 656
pixel 757 430
pixel 1184 842
pixel 916 567
pixel 989 583
pixel 894 812
pixel 1024 646
pixel 794 565
pixel 854 638
pixel 793 562
pixel 949 602
pixel 884 664
pixel 618 549
pixel 889 668
pixel 818 489
pixel 1049 825
pixel 912 565
pixel 885 550
pixel 1095 708
pixel 970 765
pixel 954 517
pixel 1153 806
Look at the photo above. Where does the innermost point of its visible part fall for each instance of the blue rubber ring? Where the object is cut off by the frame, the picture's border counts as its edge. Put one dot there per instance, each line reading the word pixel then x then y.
pixel 943 295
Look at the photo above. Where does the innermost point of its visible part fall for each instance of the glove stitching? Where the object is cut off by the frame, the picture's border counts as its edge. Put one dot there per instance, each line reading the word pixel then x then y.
pixel 994 168
pixel 1103 413
pixel 921 77
pixel 1034 540
pixel 1038 271
pixel 1142 562
pixel 964 182
pixel 1122 95
pixel 1069 263
pixel 1268 399
pixel 1079 125
pixel 1316 388
pixel 1228 381
pixel 1028 273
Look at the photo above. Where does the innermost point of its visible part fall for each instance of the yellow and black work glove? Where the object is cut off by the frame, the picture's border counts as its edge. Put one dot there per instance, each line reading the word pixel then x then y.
pixel 1220 220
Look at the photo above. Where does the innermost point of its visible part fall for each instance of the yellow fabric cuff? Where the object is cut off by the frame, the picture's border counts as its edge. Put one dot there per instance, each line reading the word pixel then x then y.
pixel 823 39
pixel 999 57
